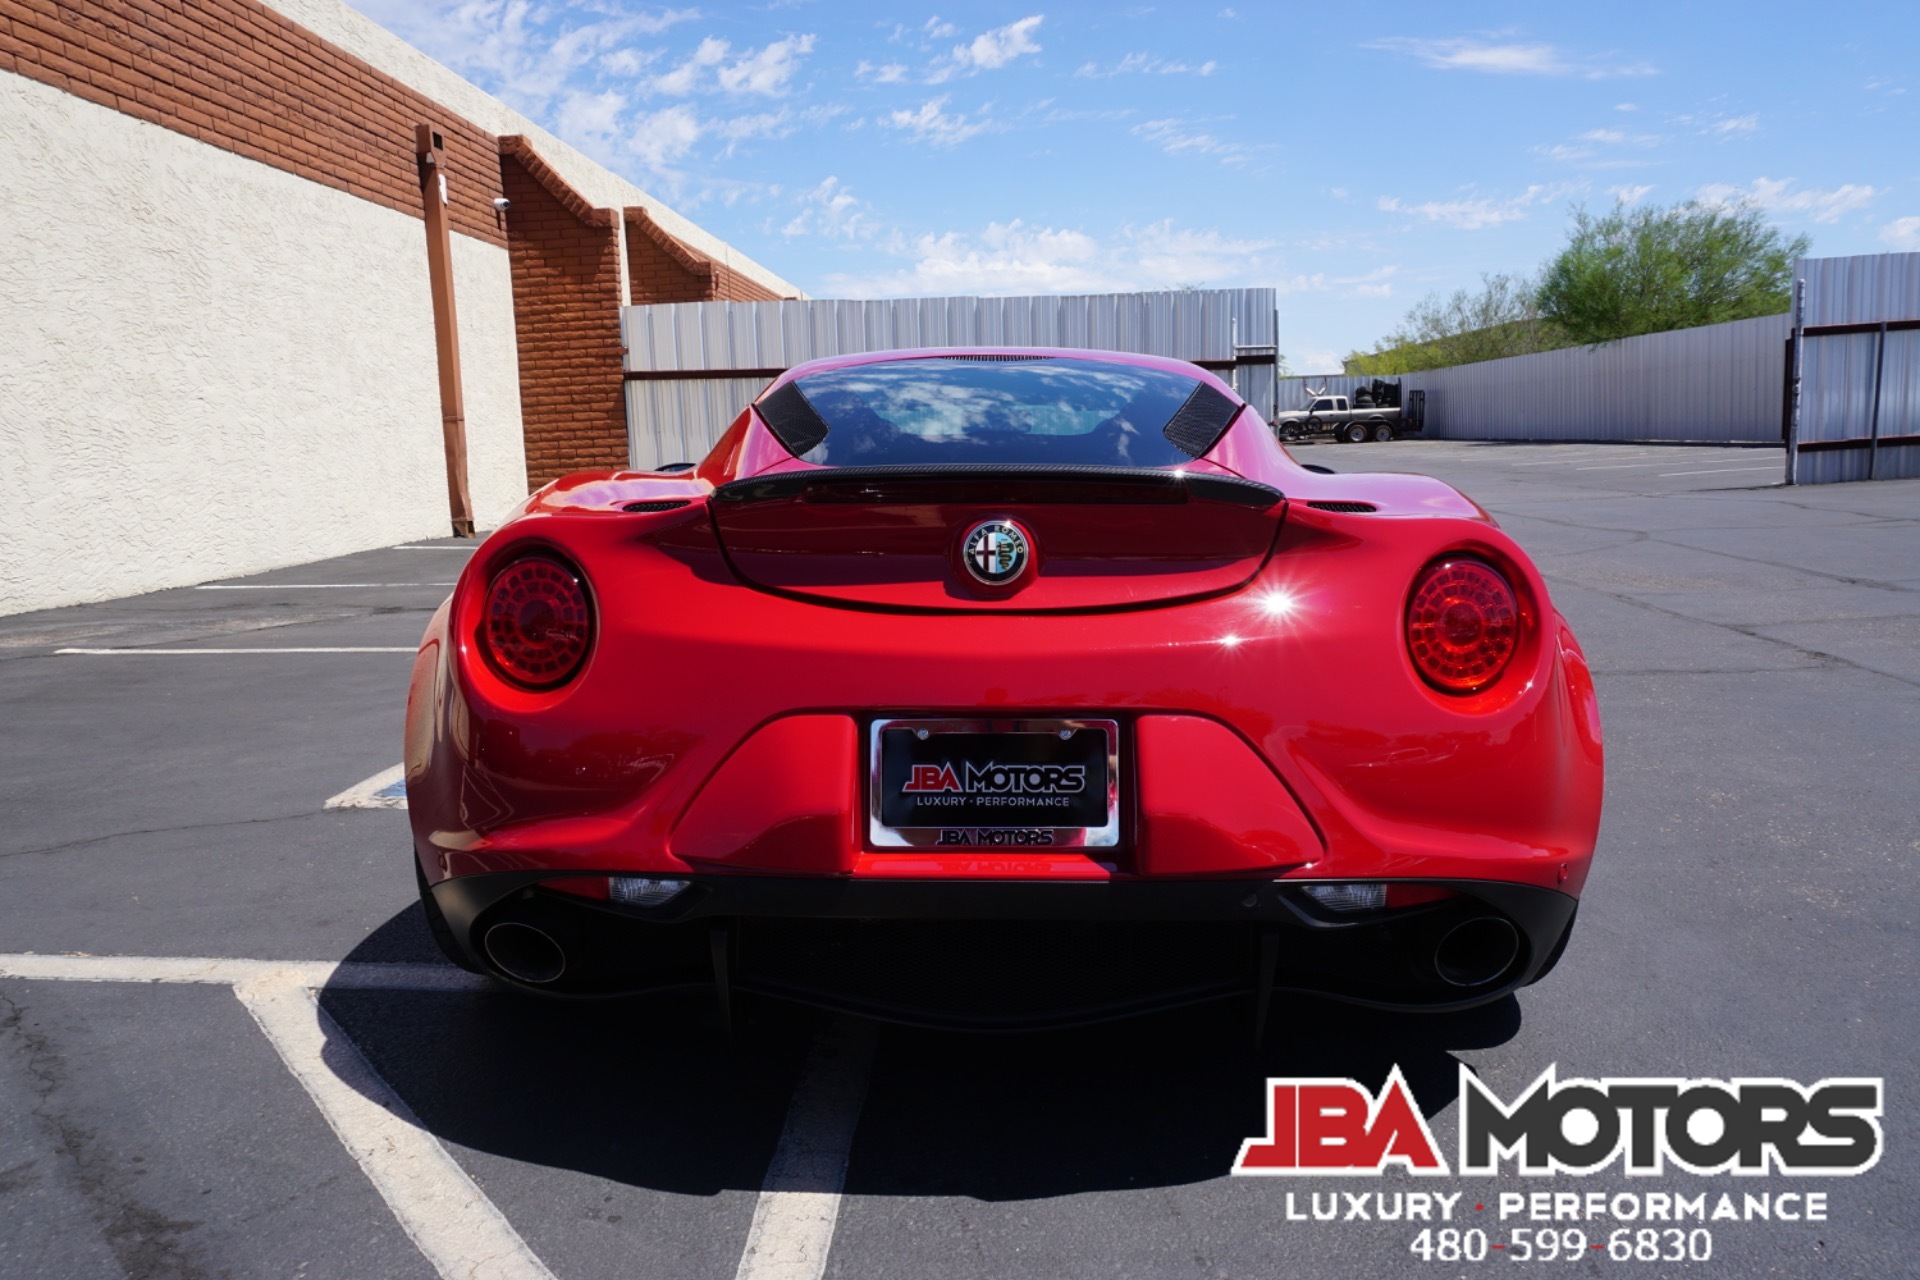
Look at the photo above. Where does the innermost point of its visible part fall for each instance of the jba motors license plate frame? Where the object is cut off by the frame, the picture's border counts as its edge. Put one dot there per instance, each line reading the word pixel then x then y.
pixel 1026 824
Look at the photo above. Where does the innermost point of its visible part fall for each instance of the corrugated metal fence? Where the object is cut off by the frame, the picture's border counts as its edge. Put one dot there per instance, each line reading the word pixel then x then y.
pixel 692 366
pixel 1720 382
pixel 1859 410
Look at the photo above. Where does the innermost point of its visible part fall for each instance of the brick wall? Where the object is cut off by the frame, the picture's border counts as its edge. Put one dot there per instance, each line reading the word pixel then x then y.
pixel 566 315
pixel 239 76
pixel 662 269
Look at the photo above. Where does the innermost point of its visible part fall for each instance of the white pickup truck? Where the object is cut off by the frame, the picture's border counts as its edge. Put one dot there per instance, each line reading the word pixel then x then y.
pixel 1379 417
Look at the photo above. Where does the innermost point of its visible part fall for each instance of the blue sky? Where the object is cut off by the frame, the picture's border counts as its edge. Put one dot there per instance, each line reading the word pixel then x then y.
pixel 1356 157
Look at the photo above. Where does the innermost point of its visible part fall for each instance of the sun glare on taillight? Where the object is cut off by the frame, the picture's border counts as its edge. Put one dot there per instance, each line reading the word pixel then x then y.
pixel 1463 624
pixel 538 624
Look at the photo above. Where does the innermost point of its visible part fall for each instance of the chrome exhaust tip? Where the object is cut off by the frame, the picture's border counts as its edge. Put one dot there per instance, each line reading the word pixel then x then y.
pixel 526 953
pixel 1475 952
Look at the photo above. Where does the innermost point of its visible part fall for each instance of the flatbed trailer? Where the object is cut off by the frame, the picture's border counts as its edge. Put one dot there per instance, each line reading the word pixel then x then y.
pixel 1373 413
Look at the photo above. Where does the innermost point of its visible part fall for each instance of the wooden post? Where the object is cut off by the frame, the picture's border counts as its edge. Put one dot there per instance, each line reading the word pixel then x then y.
pixel 1794 374
pixel 429 153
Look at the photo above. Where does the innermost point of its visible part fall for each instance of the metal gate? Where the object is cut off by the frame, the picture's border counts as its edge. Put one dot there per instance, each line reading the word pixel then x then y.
pixel 1857 353
pixel 692 366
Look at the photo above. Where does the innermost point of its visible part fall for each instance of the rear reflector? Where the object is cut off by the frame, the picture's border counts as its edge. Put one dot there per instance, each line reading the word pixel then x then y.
pixel 642 891
pixel 1348 897
pixel 1390 896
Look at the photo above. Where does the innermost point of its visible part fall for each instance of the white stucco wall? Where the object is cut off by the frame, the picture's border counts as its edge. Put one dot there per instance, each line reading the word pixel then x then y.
pixel 210 367
pixel 379 48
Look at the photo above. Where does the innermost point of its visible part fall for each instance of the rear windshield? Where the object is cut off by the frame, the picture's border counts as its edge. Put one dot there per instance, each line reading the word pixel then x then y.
pixel 999 410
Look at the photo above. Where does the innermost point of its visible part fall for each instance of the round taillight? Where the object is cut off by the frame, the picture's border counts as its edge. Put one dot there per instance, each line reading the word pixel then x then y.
pixel 1463 624
pixel 538 624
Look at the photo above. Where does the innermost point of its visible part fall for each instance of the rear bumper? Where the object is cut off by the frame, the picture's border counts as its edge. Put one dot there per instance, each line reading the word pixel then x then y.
pixel 986 955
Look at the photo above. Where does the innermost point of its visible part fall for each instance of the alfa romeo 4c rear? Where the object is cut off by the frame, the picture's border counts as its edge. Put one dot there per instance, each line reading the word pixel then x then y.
pixel 989 688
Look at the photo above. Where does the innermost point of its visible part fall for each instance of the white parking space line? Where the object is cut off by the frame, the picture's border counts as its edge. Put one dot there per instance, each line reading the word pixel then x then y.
pixel 1657 462
pixel 222 970
pixel 386 789
pixel 445 546
pixel 310 586
pixel 1772 466
pixel 437 1204
pixel 116 653
pixel 799 1203
pixel 446 1216
pixel 1572 456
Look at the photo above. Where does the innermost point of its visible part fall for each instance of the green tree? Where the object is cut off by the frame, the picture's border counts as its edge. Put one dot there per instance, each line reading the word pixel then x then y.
pixel 1501 318
pixel 1649 269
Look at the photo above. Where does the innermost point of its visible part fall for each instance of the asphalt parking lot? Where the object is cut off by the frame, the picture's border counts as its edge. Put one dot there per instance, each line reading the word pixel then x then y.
pixel 165 766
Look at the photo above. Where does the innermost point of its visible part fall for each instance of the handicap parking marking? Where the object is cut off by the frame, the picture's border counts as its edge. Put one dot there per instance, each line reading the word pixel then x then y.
pixel 386 789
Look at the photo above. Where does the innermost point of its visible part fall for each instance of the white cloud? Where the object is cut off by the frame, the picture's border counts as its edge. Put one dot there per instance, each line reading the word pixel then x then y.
pixel 890 73
pixel 1474 213
pixel 1145 64
pixel 626 62
pixel 1377 283
pixel 768 70
pixel 1178 138
pixel 1316 360
pixel 1718 125
pixel 765 71
pixel 1602 149
pixel 1779 196
pixel 686 77
pixel 654 23
pixel 1015 258
pixel 831 210
pixel 517 50
pixel 1509 58
pixel 989 51
pixel 933 125
pixel 589 117
pixel 662 137
pixel 1902 233
pixel 1632 193
pixel 766 124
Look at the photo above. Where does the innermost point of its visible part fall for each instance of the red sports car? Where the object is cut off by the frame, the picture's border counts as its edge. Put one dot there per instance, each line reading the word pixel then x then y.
pixel 994 688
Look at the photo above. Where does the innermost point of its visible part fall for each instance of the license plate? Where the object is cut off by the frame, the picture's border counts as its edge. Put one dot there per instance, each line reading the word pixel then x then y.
pixel 973 784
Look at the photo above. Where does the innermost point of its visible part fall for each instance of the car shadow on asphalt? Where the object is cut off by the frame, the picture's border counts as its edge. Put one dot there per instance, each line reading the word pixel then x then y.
pixel 654 1092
